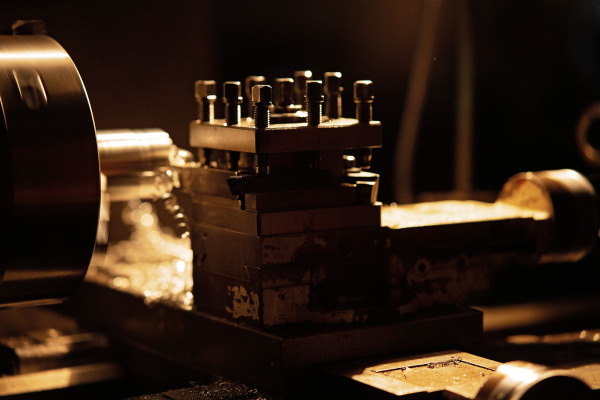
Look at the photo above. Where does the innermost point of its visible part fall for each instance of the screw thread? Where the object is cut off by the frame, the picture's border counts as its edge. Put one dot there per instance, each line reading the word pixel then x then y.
pixel 313 113
pixel 207 111
pixel 233 114
pixel 262 116
pixel 261 163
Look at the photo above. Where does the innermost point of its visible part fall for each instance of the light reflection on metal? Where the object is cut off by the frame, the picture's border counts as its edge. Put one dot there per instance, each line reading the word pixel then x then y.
pixel 519 380
pixel 452 212
pixel 587 138
pixel 49 169
pixel 152 263
pixel 33 55
pixel 518 373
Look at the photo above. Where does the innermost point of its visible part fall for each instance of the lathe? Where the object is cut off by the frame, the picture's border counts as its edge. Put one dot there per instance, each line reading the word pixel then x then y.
pixel 260 264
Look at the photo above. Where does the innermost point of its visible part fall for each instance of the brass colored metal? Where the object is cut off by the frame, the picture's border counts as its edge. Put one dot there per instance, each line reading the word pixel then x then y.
pixel 206 95
pixel 451 372
pixel 51 192
pixel 285 137
pixel 518 380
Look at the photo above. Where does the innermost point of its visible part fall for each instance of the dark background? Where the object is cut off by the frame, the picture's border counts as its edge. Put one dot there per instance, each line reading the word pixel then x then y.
pixel 536 68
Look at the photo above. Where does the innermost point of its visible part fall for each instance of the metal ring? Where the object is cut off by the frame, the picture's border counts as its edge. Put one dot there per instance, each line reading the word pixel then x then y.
pixel 519 380
pixel 50 195
pixel 589 152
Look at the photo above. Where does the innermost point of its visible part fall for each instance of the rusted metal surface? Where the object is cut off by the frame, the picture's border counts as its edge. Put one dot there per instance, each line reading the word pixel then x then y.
pixel 359 274
pixel 277 360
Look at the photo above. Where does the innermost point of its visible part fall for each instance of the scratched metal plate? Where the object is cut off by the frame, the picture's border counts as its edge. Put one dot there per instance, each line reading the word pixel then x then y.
pixel 451 371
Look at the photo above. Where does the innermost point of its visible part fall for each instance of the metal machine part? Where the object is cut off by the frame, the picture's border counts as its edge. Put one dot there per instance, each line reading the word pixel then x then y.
pixel 586 135
pixel 519 380
pixel 124 150
pixel 455 374
pixel 51 191
pixel 296 264
pixel 570 200
pixel 460 376
pixel 312 244
pixel 44 354
pixel 136 162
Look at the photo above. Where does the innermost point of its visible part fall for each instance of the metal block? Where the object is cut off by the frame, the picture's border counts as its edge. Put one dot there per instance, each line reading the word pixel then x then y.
pixel 240 185
pixel 282 138
pixel 320 219
pixel 206 181
pixel 340 195
pixel 271 360
pixel 454 373
pixel 284 222
pixel 250 250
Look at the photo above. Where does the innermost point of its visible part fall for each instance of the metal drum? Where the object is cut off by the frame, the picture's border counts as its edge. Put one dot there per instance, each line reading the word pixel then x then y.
pixel 50 192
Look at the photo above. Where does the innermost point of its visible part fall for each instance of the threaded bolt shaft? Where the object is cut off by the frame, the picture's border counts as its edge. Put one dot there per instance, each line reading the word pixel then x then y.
pixel 364 112
pixel 333 94
pixel 232 97
pixel 261 163
pixel 363 97
pixel 206 95
pixel 314 102
pixel 262 115
pixel 261 98
pixel 314 111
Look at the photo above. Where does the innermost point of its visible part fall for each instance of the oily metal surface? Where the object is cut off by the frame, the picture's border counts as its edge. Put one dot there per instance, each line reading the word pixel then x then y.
pixel 49 168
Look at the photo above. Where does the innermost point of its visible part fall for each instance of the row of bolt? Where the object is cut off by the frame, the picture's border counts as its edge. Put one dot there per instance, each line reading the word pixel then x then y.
pixel 291 94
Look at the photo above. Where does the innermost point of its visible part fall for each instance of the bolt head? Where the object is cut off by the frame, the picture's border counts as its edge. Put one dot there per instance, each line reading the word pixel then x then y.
pixel 262 94
pixel 232 91
pixel 300 78
pixel 205 89
pixel 314 90
pixel 333 82
pixel 283 91
pixel 363 91
pixel 250 82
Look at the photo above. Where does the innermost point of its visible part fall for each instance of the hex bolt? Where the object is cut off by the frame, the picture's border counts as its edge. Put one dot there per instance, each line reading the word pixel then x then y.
pixel 232 97
pixel 206 95
pixel 333 94
pixel 283 94
pixel 363 97
pixel 314 102
pixel 261 98
pixel 249 84
pixel 300 78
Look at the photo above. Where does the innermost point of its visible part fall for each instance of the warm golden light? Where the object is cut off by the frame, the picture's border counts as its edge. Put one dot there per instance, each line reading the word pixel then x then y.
pixel 33 55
